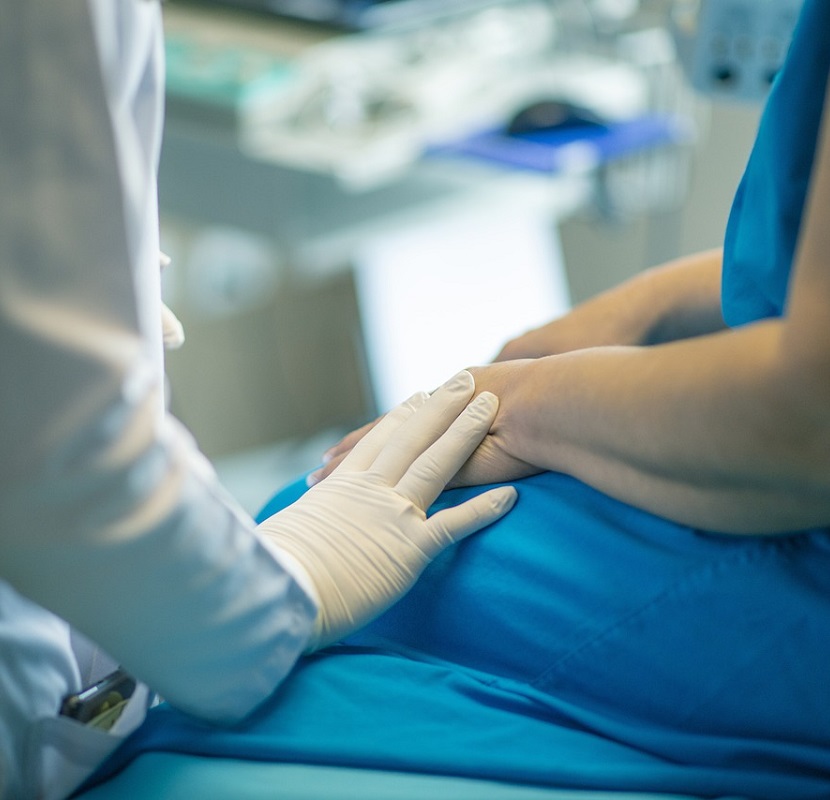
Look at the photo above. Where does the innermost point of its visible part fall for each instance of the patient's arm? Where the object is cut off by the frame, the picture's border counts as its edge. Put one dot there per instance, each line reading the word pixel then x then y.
pixel 729 431
pixel 675 301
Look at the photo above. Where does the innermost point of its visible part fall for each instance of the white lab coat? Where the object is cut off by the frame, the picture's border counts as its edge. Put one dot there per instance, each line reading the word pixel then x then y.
pixel 109 516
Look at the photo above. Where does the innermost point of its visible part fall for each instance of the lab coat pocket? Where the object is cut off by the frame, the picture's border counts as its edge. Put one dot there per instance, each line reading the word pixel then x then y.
pixel 69 751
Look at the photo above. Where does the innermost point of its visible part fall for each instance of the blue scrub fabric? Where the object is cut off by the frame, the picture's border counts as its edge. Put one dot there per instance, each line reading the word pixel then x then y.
pixel 580 642
pixel 766 213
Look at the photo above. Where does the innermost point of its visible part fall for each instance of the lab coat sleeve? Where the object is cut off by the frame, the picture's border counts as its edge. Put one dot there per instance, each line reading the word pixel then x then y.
pixel 110 517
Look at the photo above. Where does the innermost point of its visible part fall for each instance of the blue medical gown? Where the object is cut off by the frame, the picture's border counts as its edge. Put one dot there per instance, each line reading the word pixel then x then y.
pixel 580 642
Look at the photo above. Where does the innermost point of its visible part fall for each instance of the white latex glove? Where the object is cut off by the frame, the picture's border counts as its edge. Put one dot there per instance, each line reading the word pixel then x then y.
pixel 171 329
pixel 362 536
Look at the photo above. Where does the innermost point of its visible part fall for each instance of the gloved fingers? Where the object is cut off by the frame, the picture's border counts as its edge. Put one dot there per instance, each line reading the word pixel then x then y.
pixel 334 456
pixel 365 451
pixel 453 524
pixel 421 430
pixel 432 470
pixel 171 329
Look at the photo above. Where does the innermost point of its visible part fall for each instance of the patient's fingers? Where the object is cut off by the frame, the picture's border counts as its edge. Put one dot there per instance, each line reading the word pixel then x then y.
pixel 349 441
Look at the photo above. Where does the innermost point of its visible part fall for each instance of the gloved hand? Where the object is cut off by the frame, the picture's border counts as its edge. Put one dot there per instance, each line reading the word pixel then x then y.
pixel 362 536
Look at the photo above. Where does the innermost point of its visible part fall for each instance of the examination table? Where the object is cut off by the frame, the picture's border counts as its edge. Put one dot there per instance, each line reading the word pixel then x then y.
pixel 166 776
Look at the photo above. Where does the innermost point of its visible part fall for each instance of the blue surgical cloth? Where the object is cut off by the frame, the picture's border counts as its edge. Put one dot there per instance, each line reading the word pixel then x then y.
pixel 578 642
pixel 766 214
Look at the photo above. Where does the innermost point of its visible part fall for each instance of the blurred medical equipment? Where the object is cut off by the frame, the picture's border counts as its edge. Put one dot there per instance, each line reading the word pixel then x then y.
pixel 733 48
pixel 367 106
pixel 360 14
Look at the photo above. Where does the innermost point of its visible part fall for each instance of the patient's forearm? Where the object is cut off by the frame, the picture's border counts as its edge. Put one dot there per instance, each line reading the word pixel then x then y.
pixel 715 432
pixel 676 300
pixel 683 298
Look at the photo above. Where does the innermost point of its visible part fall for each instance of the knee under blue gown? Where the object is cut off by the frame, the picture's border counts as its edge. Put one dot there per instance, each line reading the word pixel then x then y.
pixel 580 642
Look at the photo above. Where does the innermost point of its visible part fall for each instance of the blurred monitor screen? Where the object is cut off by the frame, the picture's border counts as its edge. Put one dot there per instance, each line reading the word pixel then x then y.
pixel 357 14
